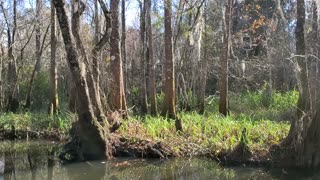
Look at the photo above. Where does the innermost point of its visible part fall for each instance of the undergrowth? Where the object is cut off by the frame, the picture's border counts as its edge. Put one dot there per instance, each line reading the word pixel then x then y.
pixel 266 120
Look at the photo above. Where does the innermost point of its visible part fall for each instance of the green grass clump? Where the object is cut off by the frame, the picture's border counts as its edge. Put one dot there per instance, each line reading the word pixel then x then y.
pixel 37 121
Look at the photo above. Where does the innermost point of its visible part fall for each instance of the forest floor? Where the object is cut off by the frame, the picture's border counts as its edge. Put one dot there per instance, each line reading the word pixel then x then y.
pixel 255 124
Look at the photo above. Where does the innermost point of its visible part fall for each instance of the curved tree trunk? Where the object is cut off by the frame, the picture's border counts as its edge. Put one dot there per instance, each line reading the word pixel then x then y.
pixel 89 137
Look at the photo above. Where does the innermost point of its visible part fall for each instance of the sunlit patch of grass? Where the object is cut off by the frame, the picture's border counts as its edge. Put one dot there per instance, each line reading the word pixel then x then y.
pixel 211 132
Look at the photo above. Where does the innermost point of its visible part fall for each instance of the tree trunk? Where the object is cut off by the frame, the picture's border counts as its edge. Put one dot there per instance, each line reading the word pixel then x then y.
pixel 303 136
pixel 54 101
pixel 123 44
pixel 78 8
pixel 13 90
pixel 143 90
pixel 304 97
pixel 72 101
pixel 1 88
pixel 169 107
pixel 204 67
pixel 151 64
pixel 313 80
pixel 99 44
pixel 96 54
pixel 95 58
pixel 223 104
pixel 89 137
pixel 119 102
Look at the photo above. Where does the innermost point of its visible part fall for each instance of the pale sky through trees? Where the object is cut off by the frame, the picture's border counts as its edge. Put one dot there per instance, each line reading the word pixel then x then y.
pixel 132 11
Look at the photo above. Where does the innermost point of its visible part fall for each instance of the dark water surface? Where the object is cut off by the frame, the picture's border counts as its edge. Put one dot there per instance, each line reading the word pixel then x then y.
pixel 38 160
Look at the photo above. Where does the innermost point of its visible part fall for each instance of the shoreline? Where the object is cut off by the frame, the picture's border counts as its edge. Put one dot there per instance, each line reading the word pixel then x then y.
pixel 143 148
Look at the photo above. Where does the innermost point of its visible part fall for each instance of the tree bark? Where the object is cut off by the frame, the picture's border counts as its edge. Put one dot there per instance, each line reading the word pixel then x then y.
pixel 90 138
pixel 169 107
pixel 54 101
pixel 119 102
pixel 151 64
pixel 223 104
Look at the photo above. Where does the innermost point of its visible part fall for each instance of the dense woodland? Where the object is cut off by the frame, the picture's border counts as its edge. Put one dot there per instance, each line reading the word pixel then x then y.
pixel 192 70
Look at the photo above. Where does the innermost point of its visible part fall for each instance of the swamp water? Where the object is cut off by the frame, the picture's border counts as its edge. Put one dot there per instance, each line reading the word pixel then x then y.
pixel 38 160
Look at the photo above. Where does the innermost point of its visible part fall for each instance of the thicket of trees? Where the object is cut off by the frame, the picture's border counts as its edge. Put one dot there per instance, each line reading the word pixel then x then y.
pixel 79 56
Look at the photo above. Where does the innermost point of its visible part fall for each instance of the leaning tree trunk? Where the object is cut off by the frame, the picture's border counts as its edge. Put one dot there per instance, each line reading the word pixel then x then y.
pixel 54 100
pixel 118 98
pixel 169 106
pixel 89 137
pixel 223 104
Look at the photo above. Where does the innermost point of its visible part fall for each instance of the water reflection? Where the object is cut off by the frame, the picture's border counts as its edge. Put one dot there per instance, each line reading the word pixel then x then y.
pixel 37 161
